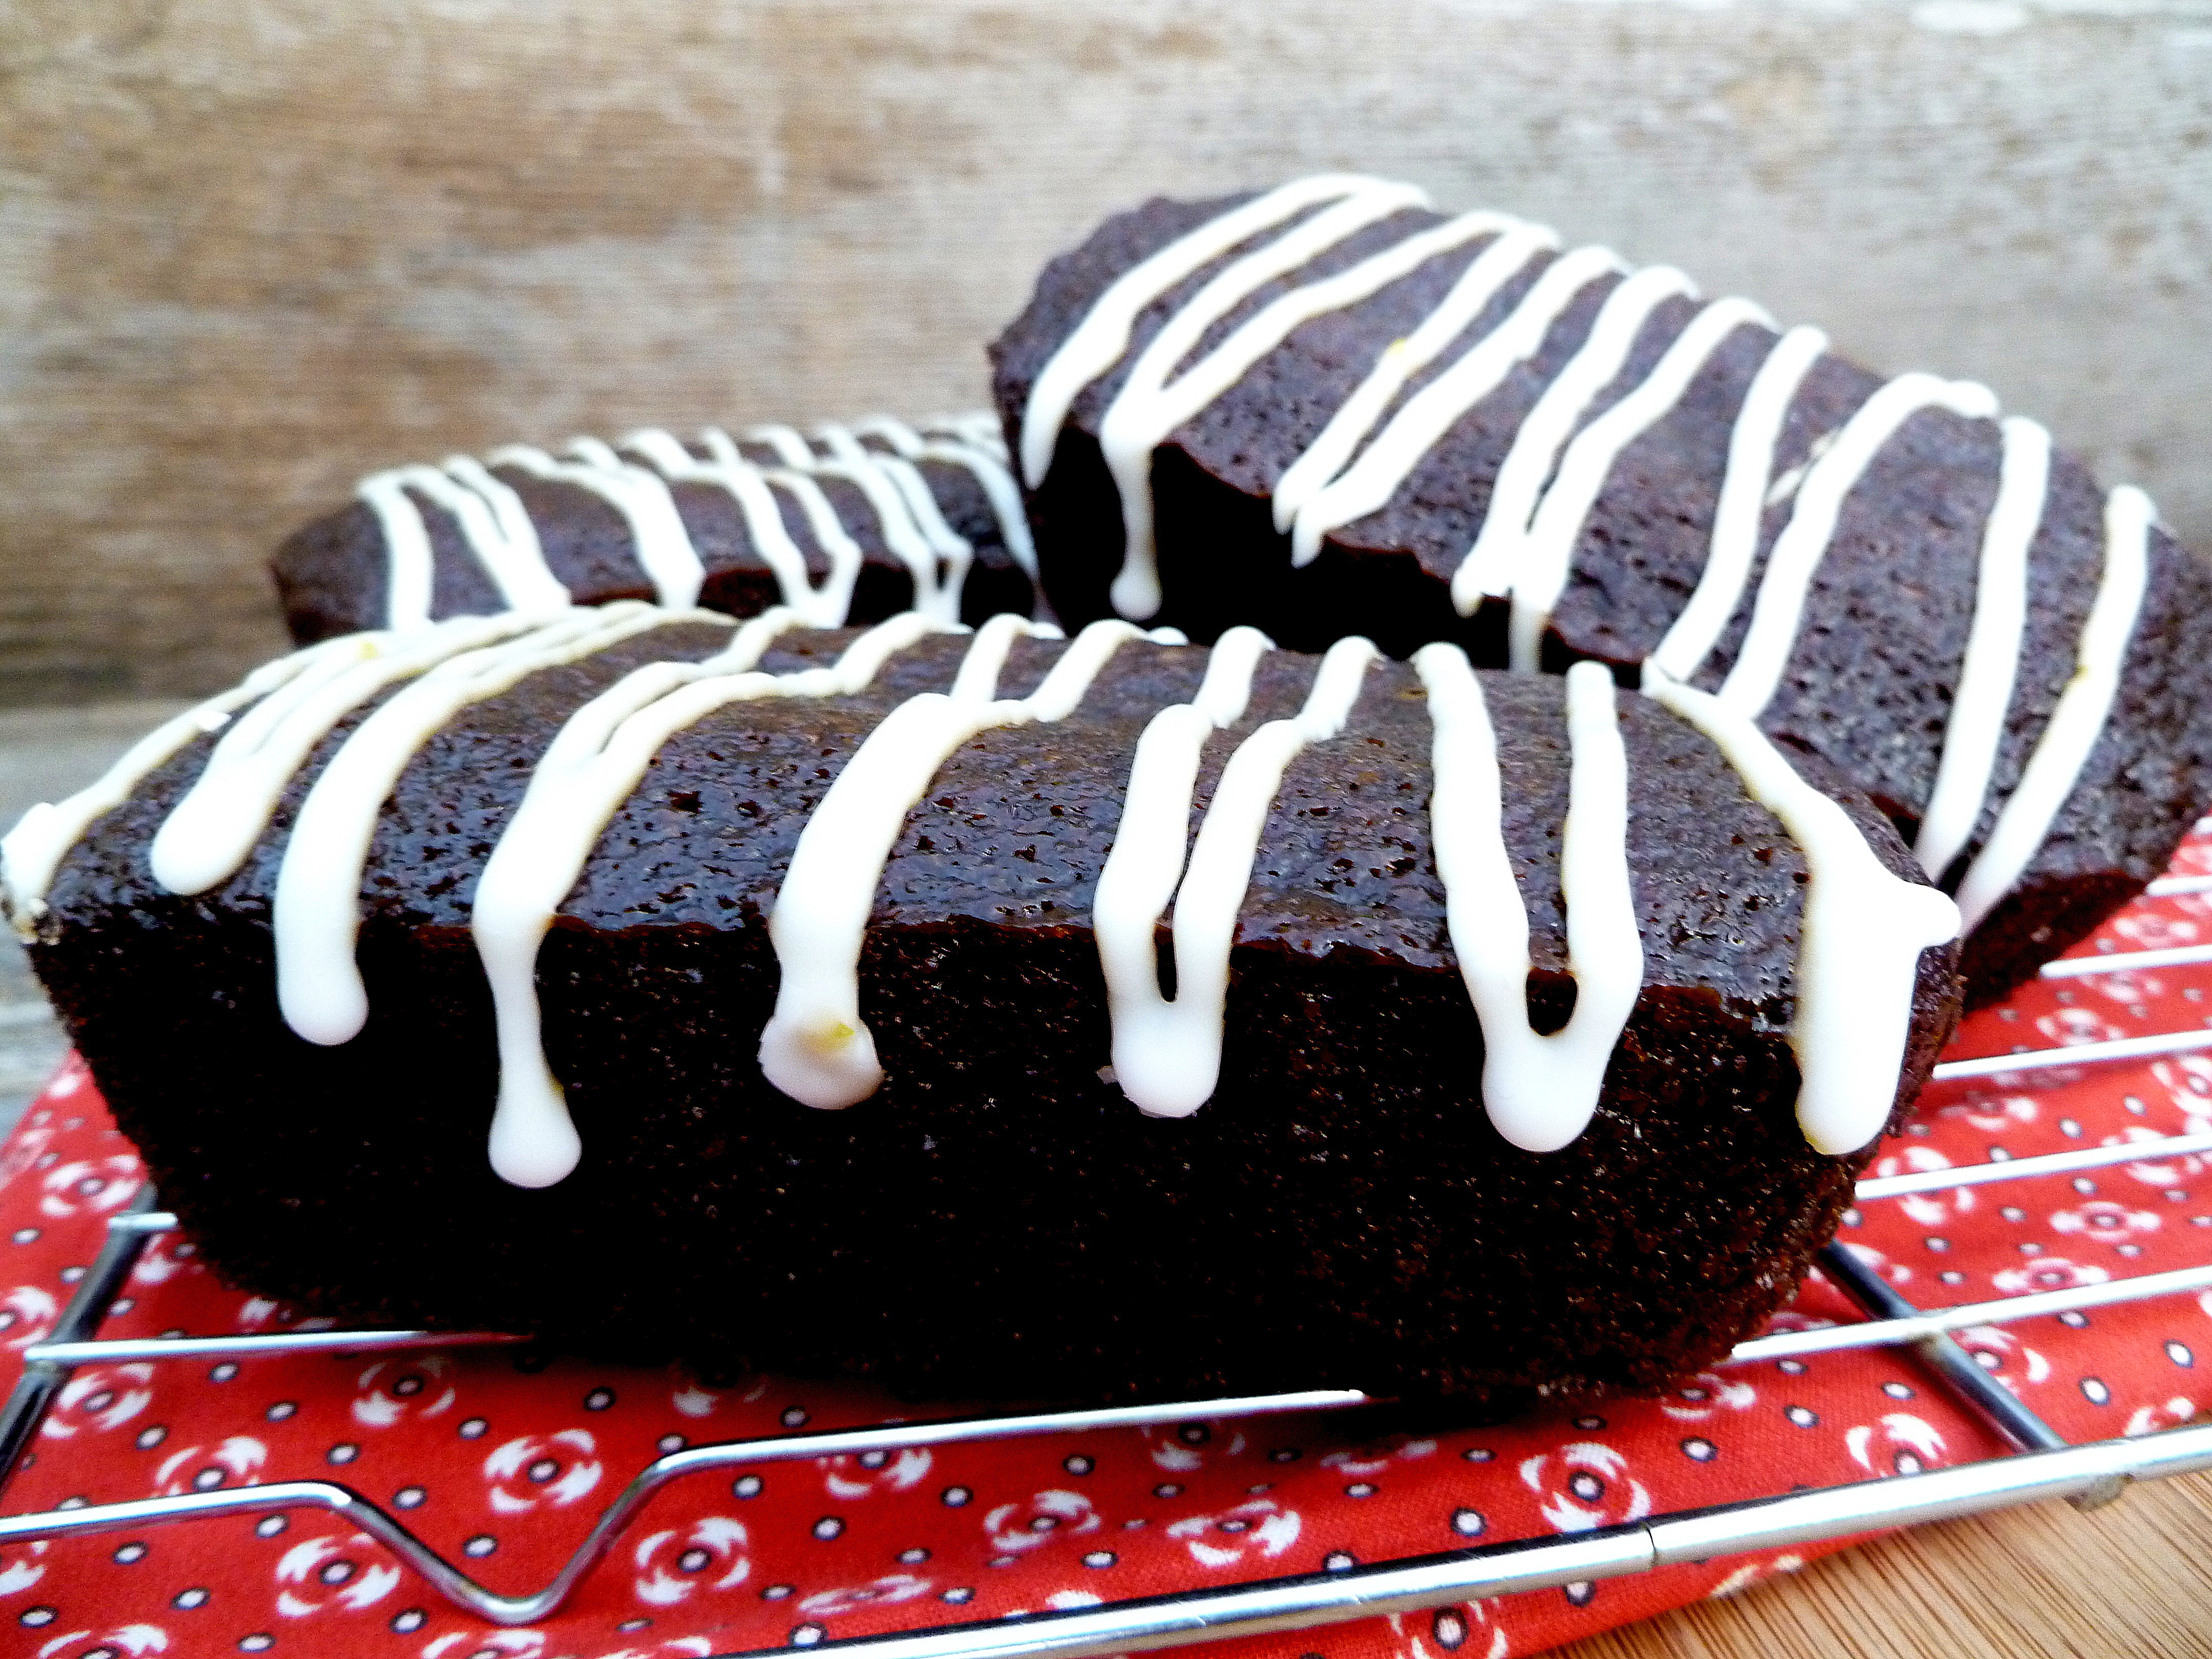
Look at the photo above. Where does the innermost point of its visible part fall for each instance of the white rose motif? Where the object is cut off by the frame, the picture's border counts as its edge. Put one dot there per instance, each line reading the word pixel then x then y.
pixel 1013 1528
pixel 2155 930
pixel 850 1476
pixel 1928 1209
pixel 2102 1218
pixel 1893 1272
pixel 1900 1443
pixel 887 1591
pixel 135 1640
pixel 2004 1356
pixel 334 1569
pixel 2165 1171
pixel 1992 1116
pixel 160 1262
pixel 2047 1273
pixel 89 1186
pixel 1707 1395
pixel 236 1461
pixel 2187 1081
pixel 1468 1631
pixel 557 1470
pixel 20 1572
pixel 1180 1448
pixel 29 1144
pixel 2067 1027
pixel 505 1643
pixel 393 1388
pixel 1223 1539
pixel 711 1550
pixel 27 1315
pixel 1745 1577
pixel 2148 1419
pixel 99 1399
pixel 1584 1485
pixel 1373 1459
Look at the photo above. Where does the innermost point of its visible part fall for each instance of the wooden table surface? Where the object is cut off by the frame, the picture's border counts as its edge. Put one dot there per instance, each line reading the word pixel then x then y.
pixel 2132 1578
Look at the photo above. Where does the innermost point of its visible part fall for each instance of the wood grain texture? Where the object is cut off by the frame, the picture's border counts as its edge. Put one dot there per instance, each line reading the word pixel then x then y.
pixel 2044 1582
pixel 249 250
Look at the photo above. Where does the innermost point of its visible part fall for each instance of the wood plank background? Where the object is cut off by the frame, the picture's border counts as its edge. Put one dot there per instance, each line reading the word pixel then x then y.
pixel 249 250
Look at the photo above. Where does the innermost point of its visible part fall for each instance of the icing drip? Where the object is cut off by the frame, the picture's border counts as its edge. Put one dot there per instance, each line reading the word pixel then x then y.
pixel 34 849
pixel 1478 285
pixel 317 912
pixel 1155 399
pixel 1167 1056
pixel 500 535
pixel 936 558
pixel 1858 958
pixel 1531 565
pixel 492 521
pixel 1743 498
pixel 656 529
pixel 209 833
pixel 588 770
pixel 986 461
pixel 2079 720
pixel 1367 485
pixel 1490 564
pixel 1098 341
pixel 817 1049
pixel 1778 610
pixel 753 489
pixel 1993 659
pixel 1539 1091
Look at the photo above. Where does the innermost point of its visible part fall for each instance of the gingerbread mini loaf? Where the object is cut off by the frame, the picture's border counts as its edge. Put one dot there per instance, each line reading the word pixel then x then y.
pixel 995 1013
pixel 848 524
pixel 1327 408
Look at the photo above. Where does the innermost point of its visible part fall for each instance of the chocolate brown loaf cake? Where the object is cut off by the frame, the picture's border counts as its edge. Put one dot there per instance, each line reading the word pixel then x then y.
pixel 852 524
pixel 1329 409
pixel 1507 1044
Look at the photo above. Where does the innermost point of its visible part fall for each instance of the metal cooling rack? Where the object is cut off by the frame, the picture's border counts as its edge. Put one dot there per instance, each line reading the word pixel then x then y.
pixel 2043 1464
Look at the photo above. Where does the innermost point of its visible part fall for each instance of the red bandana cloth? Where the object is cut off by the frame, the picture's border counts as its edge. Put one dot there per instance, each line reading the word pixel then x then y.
pixel 502 1463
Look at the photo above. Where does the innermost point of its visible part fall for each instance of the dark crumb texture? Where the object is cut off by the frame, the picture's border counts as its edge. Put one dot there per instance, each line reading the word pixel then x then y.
pixel 333 575
pixel 1870 683
pixel 997 1221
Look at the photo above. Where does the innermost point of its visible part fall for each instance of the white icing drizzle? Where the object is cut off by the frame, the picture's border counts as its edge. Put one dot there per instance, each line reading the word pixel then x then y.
pixel 1489 564
pixel 499 533
pixel 1539 1090
pixel 589 770
pixel 1098 341
pixel 1167 1056
pixel 317 911
pixel 982 451
pixel 1741 504
pixel 663 546
pixel 1155 398
pixel 1862 932
pixel 1778 610
pixel 32 851
pixel 1531 566
pixel 209 832
pixel 752 489
pixel 2078 721
pixel 1326 456
pixel 1367 485
pixel 492 521
pixel 1993 659
pixel 817 1048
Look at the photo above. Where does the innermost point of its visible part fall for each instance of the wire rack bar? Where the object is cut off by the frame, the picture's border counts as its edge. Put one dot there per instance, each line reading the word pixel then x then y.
pixel 2018 1169
pixel 2079 1053
pixel 2170 886
pixel 2122 961
pixel 274 1342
